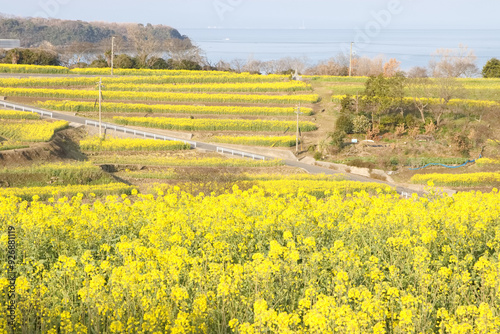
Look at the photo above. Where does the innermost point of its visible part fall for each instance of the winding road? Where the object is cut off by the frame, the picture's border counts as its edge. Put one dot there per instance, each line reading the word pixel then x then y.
pixel 404 191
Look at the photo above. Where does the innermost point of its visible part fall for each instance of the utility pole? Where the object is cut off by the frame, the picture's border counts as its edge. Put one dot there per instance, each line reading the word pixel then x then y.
pixel 112 53
pixel 298 129
pixel 100 100
pixel 350 61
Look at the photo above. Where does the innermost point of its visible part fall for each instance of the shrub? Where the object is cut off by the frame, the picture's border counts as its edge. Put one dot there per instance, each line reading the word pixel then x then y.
pixel 462 144
pixel 99 63
pixel 344 124
pixel 337 140
pixel 347 104
pixel 124 61
pixel 361 124
pixel 361 164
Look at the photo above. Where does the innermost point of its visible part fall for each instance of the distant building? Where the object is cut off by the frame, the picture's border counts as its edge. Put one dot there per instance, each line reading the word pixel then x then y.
pixel 8 44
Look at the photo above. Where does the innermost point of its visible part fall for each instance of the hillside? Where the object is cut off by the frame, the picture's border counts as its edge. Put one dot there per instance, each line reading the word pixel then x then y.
pixel 34 31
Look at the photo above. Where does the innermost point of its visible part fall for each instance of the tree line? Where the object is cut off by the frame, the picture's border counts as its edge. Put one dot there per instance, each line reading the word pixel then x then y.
pixel 34 32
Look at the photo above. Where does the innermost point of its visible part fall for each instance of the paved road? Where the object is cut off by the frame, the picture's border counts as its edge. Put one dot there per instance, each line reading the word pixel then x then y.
pixel 209 147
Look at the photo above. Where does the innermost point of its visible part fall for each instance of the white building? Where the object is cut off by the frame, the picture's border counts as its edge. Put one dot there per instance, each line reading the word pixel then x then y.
pixel 8 44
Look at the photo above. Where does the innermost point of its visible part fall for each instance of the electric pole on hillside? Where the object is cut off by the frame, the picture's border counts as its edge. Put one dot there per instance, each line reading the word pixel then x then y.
pixel 100 100
pixel 350 61
pixel 112 53
pixel 298 129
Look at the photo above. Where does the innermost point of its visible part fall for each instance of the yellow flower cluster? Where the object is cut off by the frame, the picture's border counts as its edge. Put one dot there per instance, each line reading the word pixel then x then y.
pixel 129 144
pixel 197 76
pixel 31 131
pixel 10 68
pixel 159 96
pixel 458 180
pixel 275 259
pixel 15 114
pixel 487 161
pixel 52 168
pixel 202 162
pixel 170 108
pixel 284 141
pixel 209 124
pixel 434 101
pixel 289 86
pixel 137 84
pixel 43 193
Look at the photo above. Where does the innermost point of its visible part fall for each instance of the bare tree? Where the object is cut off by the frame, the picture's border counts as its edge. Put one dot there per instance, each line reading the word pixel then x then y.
pixel 179 50
pixel 368 67
pixel 237 65
pixel 418 72
pixel 391 67
pixel 145 44
pixel 453 63
pixel 338 66
pixel 252 66
pixel 446 88
pixel 270 66
pixel 420 90
pixel 223 66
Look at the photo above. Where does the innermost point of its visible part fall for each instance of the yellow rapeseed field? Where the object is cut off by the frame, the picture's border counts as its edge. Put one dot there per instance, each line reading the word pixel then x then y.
pixel 170 108
pixel 284 141
pixel 159 96
pixel 282 257
pixel 452 102
pixel 131 144
pixel 458 180
pixel 31 131
pixel 15 114
pixel 209 124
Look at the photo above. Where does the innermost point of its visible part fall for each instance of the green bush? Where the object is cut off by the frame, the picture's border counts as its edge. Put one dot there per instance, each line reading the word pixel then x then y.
pixel 337 140
pixel 347 104
pixel 492 68
pixel 344 124
pixel 361 124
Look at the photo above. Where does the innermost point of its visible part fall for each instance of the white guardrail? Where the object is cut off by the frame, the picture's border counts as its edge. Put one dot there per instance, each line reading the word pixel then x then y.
pixel 21 108
pixel 242 154
pixel 131 131
pixel 137 132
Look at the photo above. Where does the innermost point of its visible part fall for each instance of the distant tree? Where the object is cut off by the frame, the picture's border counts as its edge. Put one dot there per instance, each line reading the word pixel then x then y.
pixel 391 67
pixel 338 66
pixel 79 65
pixel 157 63
pixel 183 65
pixel 237 65
pixel 178 50
pixel 420 90
pixel 223 66
pixel 417 72
pixel 384 94
pixel 456 63
pixel 124 61
pixel 445 89
pixel 32 57
pixel 367 66
pixel 81 50
pixel 100 62
pixel 252 66
pixel 144 42
pixel 492 68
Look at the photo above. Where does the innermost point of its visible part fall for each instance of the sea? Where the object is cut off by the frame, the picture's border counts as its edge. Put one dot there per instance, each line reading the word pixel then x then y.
pixel 410 47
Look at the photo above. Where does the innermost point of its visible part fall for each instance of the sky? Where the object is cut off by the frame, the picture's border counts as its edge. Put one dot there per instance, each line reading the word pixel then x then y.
pixel 286 14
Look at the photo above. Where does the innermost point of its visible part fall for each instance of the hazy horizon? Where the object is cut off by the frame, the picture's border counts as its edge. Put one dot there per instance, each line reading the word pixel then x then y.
pixel 272 14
